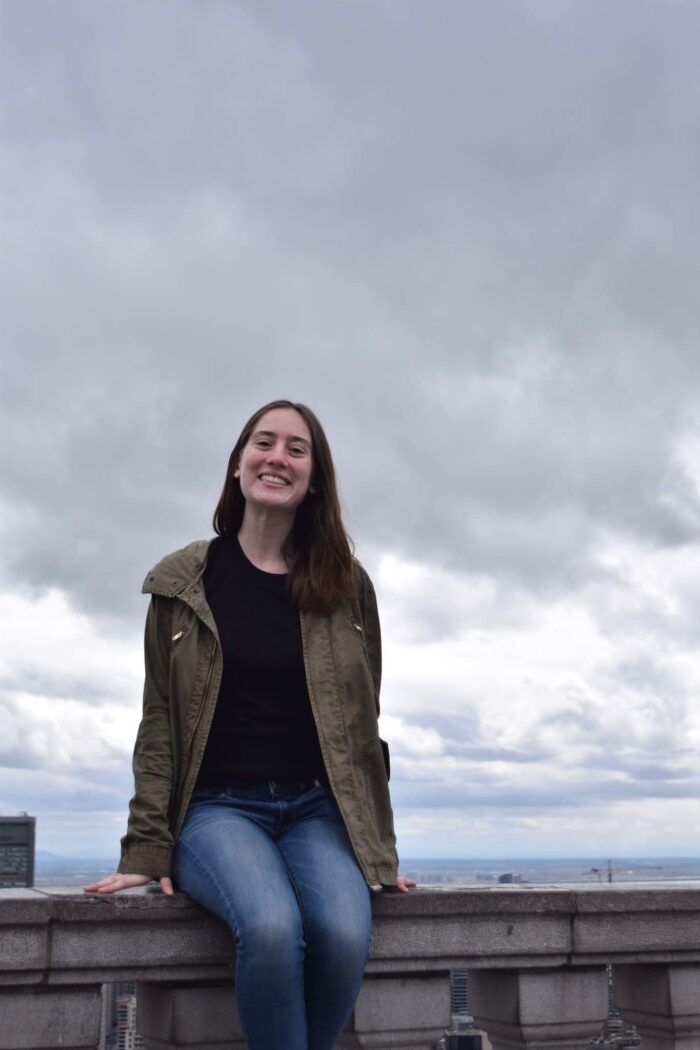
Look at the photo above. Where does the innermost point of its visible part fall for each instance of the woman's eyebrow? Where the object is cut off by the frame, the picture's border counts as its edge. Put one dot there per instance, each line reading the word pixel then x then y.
pixel 271 433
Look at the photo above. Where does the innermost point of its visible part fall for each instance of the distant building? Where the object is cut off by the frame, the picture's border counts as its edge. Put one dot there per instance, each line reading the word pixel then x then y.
pixel 119 1030
pixel 462 1034
pixel 17 851
pixel 509 877
pixel 127 1036
pixel 615 1033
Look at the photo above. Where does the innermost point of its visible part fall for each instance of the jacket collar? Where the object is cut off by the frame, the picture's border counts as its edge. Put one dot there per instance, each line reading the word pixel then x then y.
pixel 179 571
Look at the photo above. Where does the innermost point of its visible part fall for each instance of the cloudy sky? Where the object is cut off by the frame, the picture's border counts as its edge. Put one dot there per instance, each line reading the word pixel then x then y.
pixel 466 234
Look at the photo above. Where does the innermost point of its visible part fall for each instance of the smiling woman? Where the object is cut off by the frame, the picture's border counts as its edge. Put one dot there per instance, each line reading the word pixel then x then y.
pixel 260 785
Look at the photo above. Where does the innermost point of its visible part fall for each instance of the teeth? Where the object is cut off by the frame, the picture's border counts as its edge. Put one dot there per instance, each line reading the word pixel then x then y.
pixel 273 478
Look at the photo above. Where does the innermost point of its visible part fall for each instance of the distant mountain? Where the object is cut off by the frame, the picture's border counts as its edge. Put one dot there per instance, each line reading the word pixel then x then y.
pixel 43 856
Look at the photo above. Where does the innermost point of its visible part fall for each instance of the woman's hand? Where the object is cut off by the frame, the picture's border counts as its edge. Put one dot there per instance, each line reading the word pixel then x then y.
pixel 124 882
pixel 402 885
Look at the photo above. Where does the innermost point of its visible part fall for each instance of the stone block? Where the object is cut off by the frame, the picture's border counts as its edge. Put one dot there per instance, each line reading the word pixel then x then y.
pixel 473 937
pixel 402 1003
pixel 609 934
pixel 195 1017
pixel 19 906
pixel 629 897
pixel 663 1002
pixel 45 1018
pixel 126 906
pixel 24 925
pixel 23 953
pixel 81 945
pixel 538 1009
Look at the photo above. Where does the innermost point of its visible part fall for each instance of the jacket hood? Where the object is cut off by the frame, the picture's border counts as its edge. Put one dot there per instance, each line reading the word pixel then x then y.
pixel 178 570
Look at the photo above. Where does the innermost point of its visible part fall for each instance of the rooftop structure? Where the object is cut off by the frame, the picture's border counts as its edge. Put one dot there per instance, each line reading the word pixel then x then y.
pixel 17 850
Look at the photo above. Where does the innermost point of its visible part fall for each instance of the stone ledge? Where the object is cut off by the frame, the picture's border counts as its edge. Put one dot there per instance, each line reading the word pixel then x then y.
pixel 58 936
pixel 537 958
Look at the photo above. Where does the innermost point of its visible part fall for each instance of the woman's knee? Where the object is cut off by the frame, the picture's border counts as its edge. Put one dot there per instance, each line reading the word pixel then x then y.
pixel 270 935
pixel 338 938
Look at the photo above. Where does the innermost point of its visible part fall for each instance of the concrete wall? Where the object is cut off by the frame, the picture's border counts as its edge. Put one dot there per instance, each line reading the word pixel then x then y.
pixel 537 960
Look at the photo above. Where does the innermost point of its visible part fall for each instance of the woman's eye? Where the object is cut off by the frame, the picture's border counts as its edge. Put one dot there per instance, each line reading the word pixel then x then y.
pixel 297 450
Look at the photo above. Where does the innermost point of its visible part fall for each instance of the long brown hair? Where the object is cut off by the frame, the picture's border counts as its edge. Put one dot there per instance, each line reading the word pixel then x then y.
pixel 318 549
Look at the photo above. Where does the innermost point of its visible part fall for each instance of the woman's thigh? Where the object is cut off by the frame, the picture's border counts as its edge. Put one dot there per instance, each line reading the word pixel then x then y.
pixel 232 866
pixel 331 889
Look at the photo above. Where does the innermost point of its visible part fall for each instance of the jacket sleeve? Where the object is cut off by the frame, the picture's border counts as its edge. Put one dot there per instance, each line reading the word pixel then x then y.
pixel 372 632
pixel 146 847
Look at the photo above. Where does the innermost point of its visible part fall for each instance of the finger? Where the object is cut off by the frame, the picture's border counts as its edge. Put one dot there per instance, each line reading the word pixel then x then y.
pixel 167 886
pixel 406 881
pixel 114 883
pixel 111 886
pixel 95 886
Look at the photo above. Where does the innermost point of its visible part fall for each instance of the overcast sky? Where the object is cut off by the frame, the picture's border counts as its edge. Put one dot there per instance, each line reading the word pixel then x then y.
pixel 467 235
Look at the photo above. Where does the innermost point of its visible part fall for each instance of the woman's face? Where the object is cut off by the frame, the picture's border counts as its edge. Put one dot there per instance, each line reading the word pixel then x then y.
pixel 275 465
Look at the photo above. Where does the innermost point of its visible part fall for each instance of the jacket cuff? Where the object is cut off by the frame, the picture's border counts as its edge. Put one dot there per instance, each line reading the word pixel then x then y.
pixel 143 859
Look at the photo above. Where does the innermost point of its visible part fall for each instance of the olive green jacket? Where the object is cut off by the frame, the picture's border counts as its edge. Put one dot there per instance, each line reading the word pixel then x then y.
pixel 342 654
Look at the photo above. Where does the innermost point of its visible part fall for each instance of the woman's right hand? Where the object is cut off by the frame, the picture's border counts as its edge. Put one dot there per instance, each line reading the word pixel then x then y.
pixel 124 882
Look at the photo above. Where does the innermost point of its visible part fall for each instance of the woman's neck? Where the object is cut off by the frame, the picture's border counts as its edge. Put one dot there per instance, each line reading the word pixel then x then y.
pixel 262 537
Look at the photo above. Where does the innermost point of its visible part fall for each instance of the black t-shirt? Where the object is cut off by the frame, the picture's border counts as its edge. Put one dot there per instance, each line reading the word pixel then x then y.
pixel 263 726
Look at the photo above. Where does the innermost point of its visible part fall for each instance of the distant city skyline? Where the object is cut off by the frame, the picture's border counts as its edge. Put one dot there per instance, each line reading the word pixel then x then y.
pixel 454 871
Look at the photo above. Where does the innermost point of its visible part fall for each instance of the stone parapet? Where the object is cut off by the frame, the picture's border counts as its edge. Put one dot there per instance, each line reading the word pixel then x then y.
pixel 537 959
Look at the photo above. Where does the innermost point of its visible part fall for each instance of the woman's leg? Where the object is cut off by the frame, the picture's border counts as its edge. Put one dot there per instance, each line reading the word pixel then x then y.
pixel 230 864
pixel 336 912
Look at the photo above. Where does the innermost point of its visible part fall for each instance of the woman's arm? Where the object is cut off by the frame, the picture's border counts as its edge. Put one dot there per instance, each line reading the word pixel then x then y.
pixel 146 847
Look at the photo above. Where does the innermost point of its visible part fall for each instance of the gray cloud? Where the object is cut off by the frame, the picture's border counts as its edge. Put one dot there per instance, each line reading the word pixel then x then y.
pixel 543 794
pixel 468 240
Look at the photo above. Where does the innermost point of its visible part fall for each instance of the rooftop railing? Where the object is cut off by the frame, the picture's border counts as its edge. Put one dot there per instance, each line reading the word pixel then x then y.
pixel 536 958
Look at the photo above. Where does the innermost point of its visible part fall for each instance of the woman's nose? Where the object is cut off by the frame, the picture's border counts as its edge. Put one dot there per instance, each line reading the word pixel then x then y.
pixel 277 454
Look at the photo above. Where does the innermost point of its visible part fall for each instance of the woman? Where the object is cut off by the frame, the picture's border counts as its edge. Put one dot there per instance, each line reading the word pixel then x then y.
pixel 261 787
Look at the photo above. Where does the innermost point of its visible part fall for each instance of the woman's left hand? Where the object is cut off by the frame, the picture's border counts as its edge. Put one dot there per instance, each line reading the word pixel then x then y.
pixel 402 885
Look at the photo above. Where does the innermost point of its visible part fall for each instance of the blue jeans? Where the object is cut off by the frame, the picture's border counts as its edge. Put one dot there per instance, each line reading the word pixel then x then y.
pixel 275 862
